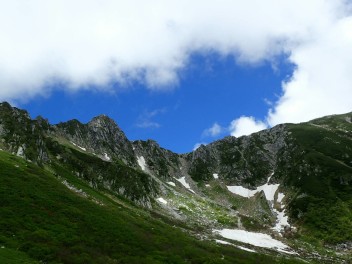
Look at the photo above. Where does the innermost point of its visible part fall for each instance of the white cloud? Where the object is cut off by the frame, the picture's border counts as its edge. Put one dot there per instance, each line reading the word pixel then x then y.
pixel 213 131
pixel 148 124
pixel 197 145
pixel 322 82
pixel 245 126
pixel 91 43
pixel 145 120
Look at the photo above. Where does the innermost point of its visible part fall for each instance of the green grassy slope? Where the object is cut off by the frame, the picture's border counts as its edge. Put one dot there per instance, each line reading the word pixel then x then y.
pixel 321 170
pixel 43 220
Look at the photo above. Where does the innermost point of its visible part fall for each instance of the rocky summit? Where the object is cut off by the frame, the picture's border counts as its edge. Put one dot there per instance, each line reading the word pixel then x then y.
pixel 84 193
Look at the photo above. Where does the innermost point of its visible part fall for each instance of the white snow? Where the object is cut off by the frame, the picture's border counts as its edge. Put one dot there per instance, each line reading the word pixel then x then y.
pixel 216 176
pixel 255 239
pixel 280 196
pixel 223 242
pixel 161 200
pixel 281 221
pixel 268 189
pixel 141 162
pixel 246 249
pixel 207 185
pixel 20 152
pixel 228 243
pixel 281 217
pixel 82 148
pixel 106 157
pixel 242 191
pixel 171 183
pixel 182 180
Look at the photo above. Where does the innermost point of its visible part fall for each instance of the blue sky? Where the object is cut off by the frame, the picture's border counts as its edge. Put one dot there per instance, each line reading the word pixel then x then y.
pixel 179 72
pixel 211 89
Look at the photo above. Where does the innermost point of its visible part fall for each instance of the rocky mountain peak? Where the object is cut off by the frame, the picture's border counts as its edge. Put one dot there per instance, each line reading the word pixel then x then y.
pixel 106 127
pixel 5 105
pixel 14 112
pixel 102 121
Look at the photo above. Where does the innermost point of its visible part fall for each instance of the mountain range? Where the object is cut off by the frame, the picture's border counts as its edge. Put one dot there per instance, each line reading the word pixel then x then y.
pixel 84 193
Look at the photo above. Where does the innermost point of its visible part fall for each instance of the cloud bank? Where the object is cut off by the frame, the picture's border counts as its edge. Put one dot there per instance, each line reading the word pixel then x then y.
pixel 242 126
pixel 245 125
pixel 95 44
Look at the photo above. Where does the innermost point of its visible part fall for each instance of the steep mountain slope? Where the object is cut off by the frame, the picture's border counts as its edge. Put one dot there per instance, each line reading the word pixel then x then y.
pixel 311 162
pixel 293 182
pixel 60 219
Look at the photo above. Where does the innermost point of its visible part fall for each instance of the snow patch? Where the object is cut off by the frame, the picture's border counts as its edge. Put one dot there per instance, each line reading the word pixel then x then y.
pixel 255 239
pixel 20 152
pixel 207 185
pixel 280 196
pixel 223 242
pixel 228 243
pixel 216 176
pixel 182 180
pixel 171 183
pixel 106 157
pixel 242 191
pixel 82 148
pixel 246 249
pixel 141 162
pixel 281 221
pixel 268 189
pixel 281 217
pixel 161 200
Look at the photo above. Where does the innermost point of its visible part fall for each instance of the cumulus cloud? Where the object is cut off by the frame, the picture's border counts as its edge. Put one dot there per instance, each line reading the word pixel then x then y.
pixel 322 81
pixel 91 44
pixel 213 131
pixel 246 125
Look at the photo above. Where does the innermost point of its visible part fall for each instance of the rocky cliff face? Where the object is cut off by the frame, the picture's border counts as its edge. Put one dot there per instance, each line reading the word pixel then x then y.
pixel 158 161
pixel 101 136
pixel 245 161
pixel 22 136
